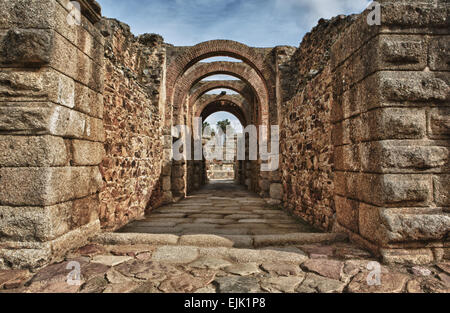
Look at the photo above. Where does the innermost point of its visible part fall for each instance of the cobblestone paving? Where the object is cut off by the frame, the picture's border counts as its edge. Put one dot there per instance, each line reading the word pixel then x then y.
pixel 189 260
pixel 335 268
pixel 221 208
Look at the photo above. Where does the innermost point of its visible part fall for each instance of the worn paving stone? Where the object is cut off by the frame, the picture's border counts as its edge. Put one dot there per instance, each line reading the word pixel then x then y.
pixel 262 256
pixel 238 284
pixel 175 254
pixel 185 283
pixel 52 287
pixel 214 221
pixel 125 287
pixel 11 279
pixel 282 269
pixel 318 252
pixel 206 216
pixel 421 271
pixel 91 250
pixel 93 270
pixel 57 272
pixel 244 269
pixel 317 284
pixel 323 267
pixel 110 260
pixel 389 283
pixel 147 287
pixel 427 285
pixel 348 251
pixel 205 241
pixel 444 278
pixel 95 285
pixel 207 289
pixel 210 263
pixel 131 250
pixel 281 284
pixel 114 277
pixel 445 267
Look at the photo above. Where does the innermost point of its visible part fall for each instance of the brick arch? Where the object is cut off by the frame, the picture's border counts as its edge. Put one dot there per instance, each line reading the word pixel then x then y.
pixel 234 104
pixel 251 56
pixel 225 106
pixel 238 86
pixel 239 70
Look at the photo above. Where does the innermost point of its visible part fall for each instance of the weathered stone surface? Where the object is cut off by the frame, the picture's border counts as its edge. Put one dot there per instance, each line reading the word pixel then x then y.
pixel 131 250
pixel 444 267
pixel 27 47
pixel 180 255
pixel 421 271
pixel 13 279
pixel 110 260
pixel 442 190
pixel 412 256
pixel 210 263
pixel 244 269
pixel 405 226
pixel 282 269
pixel 318 252
pixel 317 284
pixel 327 268
pixel 124 287
pixel 35 223
pixel 42 186
pixel 439 123
pixel 93 270
pixel 390 283
pixel 205 241
pixel 185 283
pixel 238 285
pixel 23 151
pixel 281 284
pixel 115 277
pixel 276 191
pixel 91 250
pixel 87 153
pixel 95 285
pixel 45 118
pixel 299 238
pixel 127 239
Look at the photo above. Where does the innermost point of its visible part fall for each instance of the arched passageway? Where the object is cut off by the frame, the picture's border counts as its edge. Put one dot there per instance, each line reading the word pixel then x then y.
pixel 189 98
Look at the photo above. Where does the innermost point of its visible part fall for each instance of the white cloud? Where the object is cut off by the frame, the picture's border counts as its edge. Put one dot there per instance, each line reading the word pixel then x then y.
pixel 253 22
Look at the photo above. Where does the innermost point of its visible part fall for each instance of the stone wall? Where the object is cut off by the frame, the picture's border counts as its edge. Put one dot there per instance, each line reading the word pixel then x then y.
pixel 131 169
pixel 365 134
pixel 307 157
pixel 391 131
pixel 51 129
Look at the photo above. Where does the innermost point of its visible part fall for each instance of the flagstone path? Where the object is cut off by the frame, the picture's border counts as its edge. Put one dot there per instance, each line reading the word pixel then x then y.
pixel 223 239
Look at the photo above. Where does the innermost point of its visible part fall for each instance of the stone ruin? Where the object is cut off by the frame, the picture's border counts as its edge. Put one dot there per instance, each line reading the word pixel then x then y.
pixel 86 111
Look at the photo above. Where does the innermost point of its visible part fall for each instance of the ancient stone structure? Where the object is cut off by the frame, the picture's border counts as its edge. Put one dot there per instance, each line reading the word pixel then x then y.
pixel 87 109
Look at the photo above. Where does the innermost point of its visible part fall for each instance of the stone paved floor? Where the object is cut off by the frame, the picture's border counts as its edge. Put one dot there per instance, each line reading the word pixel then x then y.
pixel 185 261
pixel 317 268
pixel 220 208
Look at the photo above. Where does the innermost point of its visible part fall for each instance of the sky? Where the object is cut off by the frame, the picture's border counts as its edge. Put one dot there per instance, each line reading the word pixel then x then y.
pixel 257 23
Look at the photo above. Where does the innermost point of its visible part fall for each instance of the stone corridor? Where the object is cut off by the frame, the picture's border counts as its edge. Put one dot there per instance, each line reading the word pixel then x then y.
pixel 220 208
pixel 93 176
pixel 223 239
